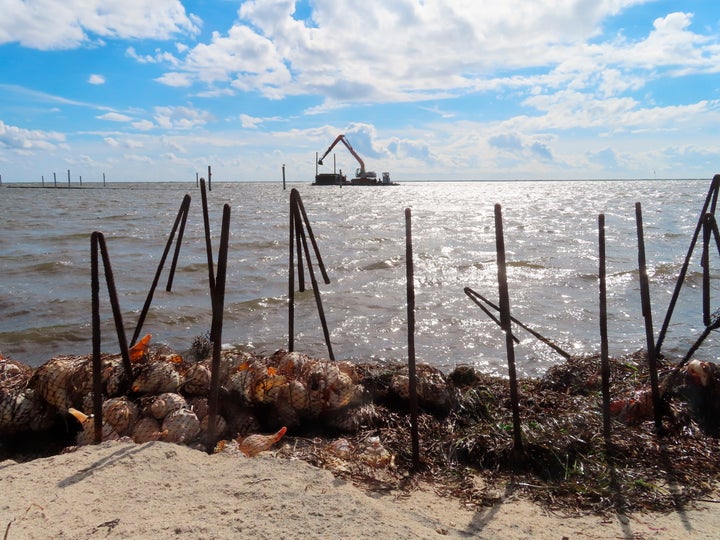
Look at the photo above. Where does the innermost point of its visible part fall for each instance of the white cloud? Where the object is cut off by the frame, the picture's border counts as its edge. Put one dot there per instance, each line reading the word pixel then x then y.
pixel 19 139
pixel 114 117
pixel 96 79
pixel 46 25
pixel 180 117
pixel 250 122
pixel 143 125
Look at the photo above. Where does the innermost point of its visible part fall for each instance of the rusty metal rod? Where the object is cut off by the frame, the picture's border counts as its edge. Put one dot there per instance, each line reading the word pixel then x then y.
pixel 96 339
pixel 208 242
pixel 539 336
pixel 117 314
pixel 161 265
pixel 217 324
pixel 316 289
pixel 475 297
pixel 707 231
pixel 647 315
pixel 412 374
pixel 604 353
pixel 291 279
pixel 711 201
pixel 181 233
pixel 506 319
pixel 318 257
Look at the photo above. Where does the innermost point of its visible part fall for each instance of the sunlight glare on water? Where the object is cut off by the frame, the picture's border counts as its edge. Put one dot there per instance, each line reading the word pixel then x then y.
pixel 550 232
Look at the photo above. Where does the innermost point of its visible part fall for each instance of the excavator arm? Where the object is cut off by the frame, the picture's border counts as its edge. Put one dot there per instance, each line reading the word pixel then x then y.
pixel 341 138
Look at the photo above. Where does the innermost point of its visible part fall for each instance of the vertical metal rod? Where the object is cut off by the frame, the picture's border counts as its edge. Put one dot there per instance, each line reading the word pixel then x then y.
pixel 315 287
pixel 647 315
pixel 412 374
pixel 505 319
pixel 117 314
pixel 161 265
pixel 298 246
pixel 184 210
pixel 710 198
pixel 604 353
pixel 96 361
pixel 218 307
pixel 291 278
pixel 707 231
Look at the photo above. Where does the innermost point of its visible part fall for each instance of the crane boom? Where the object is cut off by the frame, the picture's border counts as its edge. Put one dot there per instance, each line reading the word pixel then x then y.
pixel 341 138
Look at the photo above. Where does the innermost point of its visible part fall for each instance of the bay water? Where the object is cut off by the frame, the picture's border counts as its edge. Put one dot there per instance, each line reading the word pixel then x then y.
pixel 550 234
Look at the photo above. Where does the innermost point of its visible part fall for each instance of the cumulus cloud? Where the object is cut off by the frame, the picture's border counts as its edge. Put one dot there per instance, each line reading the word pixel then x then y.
pixel 23 140
pixel 96 79
pixel 44 25
pixel 417 51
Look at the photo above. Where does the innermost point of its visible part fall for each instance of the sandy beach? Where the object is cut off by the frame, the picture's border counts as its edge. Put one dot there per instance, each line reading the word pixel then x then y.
pixel 164 490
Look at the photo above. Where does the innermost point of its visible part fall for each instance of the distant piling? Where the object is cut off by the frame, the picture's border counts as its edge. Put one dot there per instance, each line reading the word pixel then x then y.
pixel 55 179
pixel 103 179
pixel 283 173
pixel 209 178
pixel 68 177
pixel 42 179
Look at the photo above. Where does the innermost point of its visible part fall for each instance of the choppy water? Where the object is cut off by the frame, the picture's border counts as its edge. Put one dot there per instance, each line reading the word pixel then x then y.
pixel 550 235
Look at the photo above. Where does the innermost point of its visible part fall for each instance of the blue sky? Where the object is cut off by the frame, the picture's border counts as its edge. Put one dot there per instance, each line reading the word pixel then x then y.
pixel 425 89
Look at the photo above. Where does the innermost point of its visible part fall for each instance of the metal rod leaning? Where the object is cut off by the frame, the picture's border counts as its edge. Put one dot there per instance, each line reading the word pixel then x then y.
pixel 647 315
pixel 316 289
pixel 710 201
pixel 539 336
pixel 117 314
pixel 148 299
pixel 185 210
pixel 505 319
pixel 475 297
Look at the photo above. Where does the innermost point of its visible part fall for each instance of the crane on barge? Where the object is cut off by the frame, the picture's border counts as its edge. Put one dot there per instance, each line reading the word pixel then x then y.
pixel 362 177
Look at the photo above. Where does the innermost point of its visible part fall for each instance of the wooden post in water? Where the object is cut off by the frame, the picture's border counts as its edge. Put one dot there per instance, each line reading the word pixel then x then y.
pixel 505 319
pixel 647 315
pixel 283 172
pixel 604 354
pixel 42 179
pixel 197 179
pixel 55 179
pixel 209 179
pixel 410 278
pixel 81 180
pixel 68 177
pixel 103 179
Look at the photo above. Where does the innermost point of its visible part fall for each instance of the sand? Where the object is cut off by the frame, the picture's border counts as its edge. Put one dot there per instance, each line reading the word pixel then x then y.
pixel 163 490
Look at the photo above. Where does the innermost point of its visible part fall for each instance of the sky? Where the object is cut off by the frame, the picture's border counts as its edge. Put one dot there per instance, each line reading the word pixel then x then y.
pixel 157 90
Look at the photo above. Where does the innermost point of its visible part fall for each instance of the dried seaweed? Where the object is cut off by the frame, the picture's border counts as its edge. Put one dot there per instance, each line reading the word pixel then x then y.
pixel 566 464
